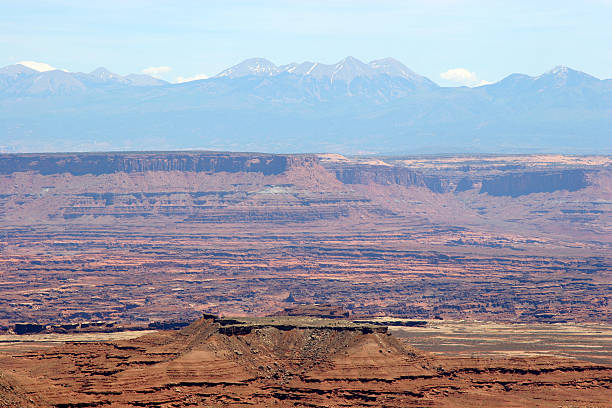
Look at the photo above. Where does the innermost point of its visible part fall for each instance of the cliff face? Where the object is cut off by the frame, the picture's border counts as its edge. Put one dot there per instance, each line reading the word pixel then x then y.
pixel 514 184
pixel 366 174
pixel 385 175
pixel 518 184
pixel 108 163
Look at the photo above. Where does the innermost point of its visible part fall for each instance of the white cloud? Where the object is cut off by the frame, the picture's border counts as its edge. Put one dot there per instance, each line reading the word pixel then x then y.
pixel 180 80
pixel 38 66
pixel 463 76
pixel 156 72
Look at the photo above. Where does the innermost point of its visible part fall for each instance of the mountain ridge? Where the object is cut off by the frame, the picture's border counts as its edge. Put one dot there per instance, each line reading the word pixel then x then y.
pixel 348 107
pixel 347 69
pixel 60 80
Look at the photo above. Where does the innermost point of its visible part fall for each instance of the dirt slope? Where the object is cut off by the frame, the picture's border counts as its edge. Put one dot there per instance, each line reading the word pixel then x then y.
pixel 12 394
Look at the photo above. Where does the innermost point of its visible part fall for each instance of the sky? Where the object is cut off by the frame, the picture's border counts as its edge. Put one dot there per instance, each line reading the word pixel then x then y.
pixel 453 42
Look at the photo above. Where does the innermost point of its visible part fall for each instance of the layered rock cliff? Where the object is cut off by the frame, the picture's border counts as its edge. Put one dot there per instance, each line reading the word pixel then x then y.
pixel 108 163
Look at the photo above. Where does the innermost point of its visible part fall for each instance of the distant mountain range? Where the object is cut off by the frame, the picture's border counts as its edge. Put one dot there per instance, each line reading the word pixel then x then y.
pixel 18 80
pixel 348 107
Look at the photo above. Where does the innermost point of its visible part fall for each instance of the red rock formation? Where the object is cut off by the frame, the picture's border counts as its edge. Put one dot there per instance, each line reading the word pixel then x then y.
pixel 293 362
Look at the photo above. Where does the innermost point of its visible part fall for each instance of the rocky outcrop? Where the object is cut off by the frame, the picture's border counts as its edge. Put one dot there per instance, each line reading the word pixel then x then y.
pixel 107 163
pixel 438 184
pixel 518 184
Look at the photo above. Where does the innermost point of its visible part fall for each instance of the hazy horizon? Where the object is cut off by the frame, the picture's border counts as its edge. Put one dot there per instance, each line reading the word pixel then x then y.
pixel 459 74
pixel 486 40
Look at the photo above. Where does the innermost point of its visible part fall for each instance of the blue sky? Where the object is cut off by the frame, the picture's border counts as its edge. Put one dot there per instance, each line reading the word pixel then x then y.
pixel 477 40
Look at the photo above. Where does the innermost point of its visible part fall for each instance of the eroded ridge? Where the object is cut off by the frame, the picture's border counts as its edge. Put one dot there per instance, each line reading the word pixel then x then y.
pixel 291 361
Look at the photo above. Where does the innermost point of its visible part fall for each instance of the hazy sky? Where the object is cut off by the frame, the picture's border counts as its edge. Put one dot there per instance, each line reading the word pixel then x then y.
pixel 477 40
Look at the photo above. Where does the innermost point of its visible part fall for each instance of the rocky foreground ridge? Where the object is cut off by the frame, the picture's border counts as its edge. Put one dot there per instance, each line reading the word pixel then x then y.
pixel 287 361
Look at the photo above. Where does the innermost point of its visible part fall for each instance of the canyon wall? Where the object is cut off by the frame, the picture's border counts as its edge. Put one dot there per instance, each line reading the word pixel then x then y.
pixel 366 174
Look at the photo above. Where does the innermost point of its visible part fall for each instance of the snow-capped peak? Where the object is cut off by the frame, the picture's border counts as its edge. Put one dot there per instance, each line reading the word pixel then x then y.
pixel 562 72
pixel 251 66
pixel 350 68
pixel 302 69
pixel 559 70
pixel 345 70
pixel 392 67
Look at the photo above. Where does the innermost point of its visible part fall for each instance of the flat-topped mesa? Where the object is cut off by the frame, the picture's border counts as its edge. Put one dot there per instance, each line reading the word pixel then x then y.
pixel 107 163
pixel 523 183
pixel 245 325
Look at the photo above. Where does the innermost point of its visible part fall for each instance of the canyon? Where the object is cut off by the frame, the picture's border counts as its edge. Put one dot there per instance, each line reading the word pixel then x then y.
pixel 138 238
